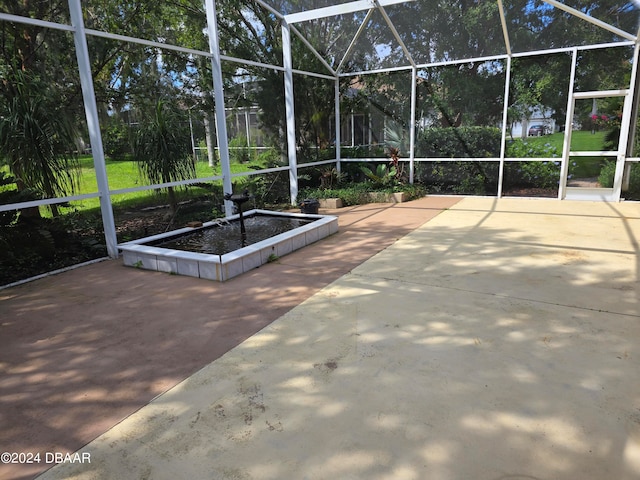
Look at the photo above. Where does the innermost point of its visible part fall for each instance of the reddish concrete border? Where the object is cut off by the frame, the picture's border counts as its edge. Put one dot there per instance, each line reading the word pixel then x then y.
pixel 82 350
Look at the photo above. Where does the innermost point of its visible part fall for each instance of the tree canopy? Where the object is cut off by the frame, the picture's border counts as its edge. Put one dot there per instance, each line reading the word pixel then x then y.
pixel 130 78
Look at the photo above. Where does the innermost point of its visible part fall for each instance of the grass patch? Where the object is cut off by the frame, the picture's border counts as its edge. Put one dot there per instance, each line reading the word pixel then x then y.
pixel 124 174
pixel 581 140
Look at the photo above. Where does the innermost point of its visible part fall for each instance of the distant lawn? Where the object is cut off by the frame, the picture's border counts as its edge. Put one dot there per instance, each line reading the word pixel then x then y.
pixel 581 140
pixel 124 174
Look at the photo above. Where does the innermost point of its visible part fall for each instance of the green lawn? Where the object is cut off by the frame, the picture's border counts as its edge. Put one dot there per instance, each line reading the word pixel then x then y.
pixel 581 140
pixel 124 174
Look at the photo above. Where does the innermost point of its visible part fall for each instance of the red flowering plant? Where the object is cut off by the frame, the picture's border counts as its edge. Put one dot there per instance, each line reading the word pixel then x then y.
pixel 606 122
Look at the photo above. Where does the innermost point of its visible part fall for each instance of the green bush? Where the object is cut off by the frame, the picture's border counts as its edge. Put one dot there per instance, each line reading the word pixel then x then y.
pixel 358 193
pixel 522 149
pixel 607 175
pixel 634 183
pixel 461 142
pixel 468 178
pixel 363 151
pixel 544 175
pixel 475 178
pixel 271 158
pixel 382 176
pixel 351 194
pixel 239 152
pixel 116 140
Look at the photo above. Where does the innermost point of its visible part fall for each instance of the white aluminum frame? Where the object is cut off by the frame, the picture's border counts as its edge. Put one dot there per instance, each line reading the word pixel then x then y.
pixel 290 111
pixel 80 33
pixel 93 124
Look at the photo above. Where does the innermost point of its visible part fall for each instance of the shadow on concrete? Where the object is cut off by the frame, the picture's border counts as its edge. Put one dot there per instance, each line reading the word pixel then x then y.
pixel 479 346
pixel 82 350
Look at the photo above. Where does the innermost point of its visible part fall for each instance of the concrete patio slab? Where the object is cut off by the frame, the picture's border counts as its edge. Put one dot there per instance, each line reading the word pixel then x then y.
pixel 582 254
pixel 82 350
pixel 500 340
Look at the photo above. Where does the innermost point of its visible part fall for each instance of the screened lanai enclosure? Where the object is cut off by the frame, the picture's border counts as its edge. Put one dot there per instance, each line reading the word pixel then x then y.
pixel 104 102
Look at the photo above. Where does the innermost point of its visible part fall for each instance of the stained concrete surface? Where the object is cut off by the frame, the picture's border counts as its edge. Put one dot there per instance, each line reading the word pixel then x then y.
pixel 82 350
pixel 499 340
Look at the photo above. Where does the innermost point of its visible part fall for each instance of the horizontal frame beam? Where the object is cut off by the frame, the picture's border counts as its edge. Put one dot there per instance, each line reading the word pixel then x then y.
pixel 34 21
pixel 501 56
pixel 345 8
pixel 602 93
pixel 592 20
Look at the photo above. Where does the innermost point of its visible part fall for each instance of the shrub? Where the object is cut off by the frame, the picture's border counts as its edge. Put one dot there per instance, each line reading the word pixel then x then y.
pixel 352 194
pixel 522 149
pixel 470 178
pixel 271 158
pixel 362 151
pixel 607 175
pixel 461 142
pixel 477 178
pixel 116 140
pixel 382 176
pixel 358 193
pixel 239 152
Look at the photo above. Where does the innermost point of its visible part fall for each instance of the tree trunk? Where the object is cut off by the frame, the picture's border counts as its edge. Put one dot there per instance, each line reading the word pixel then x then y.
pixel 209 140
pixel 173 203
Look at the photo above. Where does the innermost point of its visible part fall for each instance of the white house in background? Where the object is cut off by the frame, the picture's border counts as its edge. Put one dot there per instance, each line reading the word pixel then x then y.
pixel 538 117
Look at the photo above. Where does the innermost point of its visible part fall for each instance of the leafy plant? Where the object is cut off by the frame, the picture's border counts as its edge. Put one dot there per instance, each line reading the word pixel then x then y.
pixel 461 142
pixel 524 149
pixel 351 194
pixel 383 176
pixel 37 137
pixel 163 149
pixel 11 195
pixel 239 151
pixel 607 173
pixel 115 138
pixel 330 176
pixel 358 193
pixel 545 175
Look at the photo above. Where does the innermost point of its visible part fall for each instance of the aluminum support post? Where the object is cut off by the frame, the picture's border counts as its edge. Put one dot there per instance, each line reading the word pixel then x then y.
pixel 503 139
pixel 412 124
pixel 625 127
pixel 568 127
pixel 338 125
pixel 93 124
pixel 218 92
pixel 290 112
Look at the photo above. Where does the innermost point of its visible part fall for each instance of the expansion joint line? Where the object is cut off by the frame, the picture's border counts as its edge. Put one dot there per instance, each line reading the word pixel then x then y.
pixel 497 295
